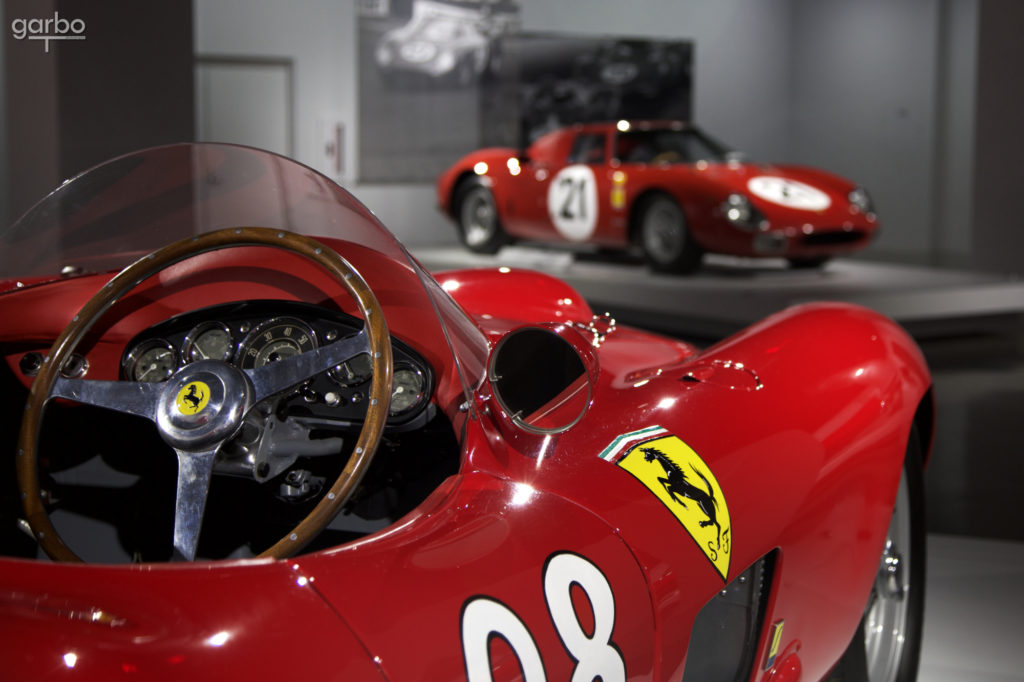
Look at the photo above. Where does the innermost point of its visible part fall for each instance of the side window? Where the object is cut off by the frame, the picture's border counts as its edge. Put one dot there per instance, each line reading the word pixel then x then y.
pixel 588 148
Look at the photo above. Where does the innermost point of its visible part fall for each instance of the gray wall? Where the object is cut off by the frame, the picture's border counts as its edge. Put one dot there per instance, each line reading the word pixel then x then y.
pixel 881 91
pixel 997 235
pixel 877 90
pixel 883 96
pixel 742 80
pixel 85 101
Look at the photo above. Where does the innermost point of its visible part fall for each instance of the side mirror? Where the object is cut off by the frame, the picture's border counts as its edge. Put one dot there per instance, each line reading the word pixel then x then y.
pixel 542 377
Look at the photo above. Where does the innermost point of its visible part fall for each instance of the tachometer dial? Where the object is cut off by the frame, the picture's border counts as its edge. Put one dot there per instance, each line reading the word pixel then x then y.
pixel 275 340
pixel 152 360
pixel 208 341
pixel 407 389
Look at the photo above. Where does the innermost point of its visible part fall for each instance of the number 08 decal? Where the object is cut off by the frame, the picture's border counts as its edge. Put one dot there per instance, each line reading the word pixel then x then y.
pixel 596 655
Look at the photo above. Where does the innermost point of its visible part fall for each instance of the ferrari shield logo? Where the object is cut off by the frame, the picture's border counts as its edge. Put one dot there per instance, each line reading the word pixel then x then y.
pixel 685 485
pixel 192 398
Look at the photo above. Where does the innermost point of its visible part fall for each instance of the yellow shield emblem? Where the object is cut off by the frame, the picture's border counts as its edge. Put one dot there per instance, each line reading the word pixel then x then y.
pixel 678 477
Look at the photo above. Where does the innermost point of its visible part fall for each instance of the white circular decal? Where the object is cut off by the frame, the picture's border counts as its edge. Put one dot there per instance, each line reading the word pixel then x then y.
pixel 789 193
pixel 572 202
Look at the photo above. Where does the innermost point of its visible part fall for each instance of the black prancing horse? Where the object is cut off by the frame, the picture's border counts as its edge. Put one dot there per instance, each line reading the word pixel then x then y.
pixel 192 398
pixel 678 488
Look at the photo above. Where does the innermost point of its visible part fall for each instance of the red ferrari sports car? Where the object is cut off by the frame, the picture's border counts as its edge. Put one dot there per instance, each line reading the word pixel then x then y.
pixel 244 452
pixel 665 188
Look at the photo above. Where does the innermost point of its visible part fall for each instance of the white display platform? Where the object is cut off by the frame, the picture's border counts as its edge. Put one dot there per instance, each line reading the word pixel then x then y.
pixel 727 293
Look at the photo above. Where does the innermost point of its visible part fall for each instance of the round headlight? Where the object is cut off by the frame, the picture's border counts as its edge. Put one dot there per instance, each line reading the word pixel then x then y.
pixel 738 210
pixel 861 200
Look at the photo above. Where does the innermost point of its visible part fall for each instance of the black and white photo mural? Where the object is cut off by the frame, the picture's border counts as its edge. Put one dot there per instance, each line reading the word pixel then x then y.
pixel 439 78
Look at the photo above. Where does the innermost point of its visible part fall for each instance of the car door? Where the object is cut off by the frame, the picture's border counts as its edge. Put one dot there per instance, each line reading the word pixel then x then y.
pixel 558 194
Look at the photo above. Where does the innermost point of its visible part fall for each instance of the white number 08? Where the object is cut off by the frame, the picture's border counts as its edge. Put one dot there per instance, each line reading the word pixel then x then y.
pixel 595 655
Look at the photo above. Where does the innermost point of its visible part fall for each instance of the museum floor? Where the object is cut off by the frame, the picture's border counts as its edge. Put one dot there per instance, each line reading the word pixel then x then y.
pixel 973 607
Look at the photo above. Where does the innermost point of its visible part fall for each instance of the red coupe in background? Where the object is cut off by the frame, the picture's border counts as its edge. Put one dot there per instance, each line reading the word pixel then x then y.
pixel 665 188
pixel 296 458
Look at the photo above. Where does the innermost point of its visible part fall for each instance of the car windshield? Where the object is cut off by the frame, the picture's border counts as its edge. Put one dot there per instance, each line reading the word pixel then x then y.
pixel 115 213
pixel 667 145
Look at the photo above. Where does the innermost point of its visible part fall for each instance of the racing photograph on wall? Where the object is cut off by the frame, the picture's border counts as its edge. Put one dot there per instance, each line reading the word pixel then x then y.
pixel 474 79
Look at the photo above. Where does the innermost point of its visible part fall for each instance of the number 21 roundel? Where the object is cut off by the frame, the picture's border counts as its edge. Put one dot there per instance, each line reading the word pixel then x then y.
pixel 572 202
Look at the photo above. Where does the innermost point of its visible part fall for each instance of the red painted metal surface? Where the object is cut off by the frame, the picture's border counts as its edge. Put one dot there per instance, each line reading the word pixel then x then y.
pixel 542 550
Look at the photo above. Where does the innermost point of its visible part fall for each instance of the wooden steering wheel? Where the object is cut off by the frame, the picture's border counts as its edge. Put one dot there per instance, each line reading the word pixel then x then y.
pixel 197 428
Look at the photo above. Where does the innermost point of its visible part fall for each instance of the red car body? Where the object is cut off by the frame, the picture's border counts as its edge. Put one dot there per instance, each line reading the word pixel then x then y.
pixel 549 550
pixel 592 183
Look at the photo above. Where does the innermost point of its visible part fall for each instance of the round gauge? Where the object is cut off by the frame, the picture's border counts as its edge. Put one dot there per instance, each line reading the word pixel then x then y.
pixel 275 340
pixel 407 389
pixel 152 360
pixel 353 371
pixel 208 341
pixel 74 367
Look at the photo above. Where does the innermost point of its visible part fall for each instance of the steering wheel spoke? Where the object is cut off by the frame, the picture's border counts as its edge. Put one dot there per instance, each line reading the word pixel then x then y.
pixel 194 472
pixel 131 397
pixel 275 377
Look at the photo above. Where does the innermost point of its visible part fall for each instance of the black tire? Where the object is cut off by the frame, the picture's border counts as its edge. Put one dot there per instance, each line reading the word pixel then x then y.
pixel 887 644
pixel 477 216
pixel 664 236
pixel 808 263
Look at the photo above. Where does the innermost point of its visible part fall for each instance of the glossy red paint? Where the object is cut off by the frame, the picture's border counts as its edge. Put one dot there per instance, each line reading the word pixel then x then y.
pixel 524 184
pixel 803 419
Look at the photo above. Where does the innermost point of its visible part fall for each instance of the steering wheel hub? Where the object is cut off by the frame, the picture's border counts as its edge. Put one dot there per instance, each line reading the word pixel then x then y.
pixel 203 404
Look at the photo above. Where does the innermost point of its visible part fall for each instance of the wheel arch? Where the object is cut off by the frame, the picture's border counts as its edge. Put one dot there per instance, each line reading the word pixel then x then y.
pixel 924 420
pixel 457 184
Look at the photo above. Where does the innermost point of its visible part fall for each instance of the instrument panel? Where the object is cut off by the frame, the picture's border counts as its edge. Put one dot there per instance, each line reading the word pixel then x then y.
pixel 252 334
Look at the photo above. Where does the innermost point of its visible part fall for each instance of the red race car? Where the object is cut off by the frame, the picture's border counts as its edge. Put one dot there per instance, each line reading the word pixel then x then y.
pixel 287 457
pixel 665 188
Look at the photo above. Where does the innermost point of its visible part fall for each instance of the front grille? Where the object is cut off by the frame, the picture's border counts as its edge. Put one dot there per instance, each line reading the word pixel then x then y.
pixel 833 238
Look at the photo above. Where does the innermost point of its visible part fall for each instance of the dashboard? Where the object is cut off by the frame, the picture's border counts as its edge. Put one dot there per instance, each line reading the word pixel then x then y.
pixel 251 334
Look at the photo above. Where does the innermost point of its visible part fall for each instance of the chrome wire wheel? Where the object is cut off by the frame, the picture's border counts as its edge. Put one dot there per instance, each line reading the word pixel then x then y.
pixel 886 620
pixel 477 215
pixel 887 644
pixel 663 233
pixel 479 219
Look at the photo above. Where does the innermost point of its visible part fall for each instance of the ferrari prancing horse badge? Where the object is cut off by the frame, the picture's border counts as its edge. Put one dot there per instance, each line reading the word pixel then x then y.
pixel 681 480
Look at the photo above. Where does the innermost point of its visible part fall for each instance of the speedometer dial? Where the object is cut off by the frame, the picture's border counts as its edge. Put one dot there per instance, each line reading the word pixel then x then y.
pixel 273 341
